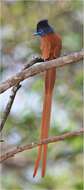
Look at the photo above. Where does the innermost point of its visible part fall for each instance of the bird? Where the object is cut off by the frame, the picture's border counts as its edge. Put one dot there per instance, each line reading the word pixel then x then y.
pixel 50 46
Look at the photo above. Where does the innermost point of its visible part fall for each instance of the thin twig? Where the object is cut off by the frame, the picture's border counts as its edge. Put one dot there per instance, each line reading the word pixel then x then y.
pixel 36 144
pixel 32 62
pixel 13 94
pixel 40 67
pixel 9 105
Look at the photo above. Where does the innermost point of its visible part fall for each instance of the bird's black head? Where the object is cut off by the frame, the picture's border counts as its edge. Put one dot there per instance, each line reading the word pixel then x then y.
pixel 43 28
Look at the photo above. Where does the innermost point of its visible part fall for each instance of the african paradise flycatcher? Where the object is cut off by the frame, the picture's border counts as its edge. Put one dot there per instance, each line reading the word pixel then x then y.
pixel 51 45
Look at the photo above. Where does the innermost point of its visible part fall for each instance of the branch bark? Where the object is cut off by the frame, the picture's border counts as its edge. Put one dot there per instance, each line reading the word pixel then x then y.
pixel 40 67
pixel 36 144
pixel 13 94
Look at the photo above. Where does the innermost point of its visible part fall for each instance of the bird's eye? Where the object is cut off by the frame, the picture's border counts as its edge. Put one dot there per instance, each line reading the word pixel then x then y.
pixel 41 31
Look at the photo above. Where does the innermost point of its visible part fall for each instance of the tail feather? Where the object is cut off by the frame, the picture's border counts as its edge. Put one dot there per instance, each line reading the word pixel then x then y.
pixel 44 160
pixel 37 161
pixel 49 84
pixel 42 135
pixel 46 130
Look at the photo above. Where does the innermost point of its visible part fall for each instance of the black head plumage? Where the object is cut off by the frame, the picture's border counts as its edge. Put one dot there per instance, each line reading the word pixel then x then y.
pixel 43 28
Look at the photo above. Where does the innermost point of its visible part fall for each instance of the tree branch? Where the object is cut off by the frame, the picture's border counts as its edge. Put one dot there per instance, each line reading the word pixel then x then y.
pixel 13 94
pixel 40 67
pixel 36 144
pixel 9 105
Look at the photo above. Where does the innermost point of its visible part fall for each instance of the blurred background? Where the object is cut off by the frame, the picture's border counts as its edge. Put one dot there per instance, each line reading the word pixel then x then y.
pixel 18 19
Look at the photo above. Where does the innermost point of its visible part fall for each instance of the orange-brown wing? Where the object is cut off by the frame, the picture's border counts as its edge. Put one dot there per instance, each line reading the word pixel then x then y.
pixel 57 46
pixel 45 48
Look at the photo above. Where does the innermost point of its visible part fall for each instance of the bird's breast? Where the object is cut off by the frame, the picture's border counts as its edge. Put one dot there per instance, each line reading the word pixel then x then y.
pixel 50 46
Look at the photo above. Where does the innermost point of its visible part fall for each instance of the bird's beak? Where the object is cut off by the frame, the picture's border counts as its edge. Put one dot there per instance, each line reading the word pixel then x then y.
pixel 37 34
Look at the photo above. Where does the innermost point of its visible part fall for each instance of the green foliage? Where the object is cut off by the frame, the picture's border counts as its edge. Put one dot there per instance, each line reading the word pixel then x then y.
pixel 79 81
pixel 73 44
pixel 37 86
pixel 48 183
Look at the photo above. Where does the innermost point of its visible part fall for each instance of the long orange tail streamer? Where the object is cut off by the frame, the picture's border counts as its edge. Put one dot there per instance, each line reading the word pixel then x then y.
pixel 49 85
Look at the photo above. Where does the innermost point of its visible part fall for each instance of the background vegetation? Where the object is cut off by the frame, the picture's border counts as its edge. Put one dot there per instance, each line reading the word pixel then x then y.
pixel 18 21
